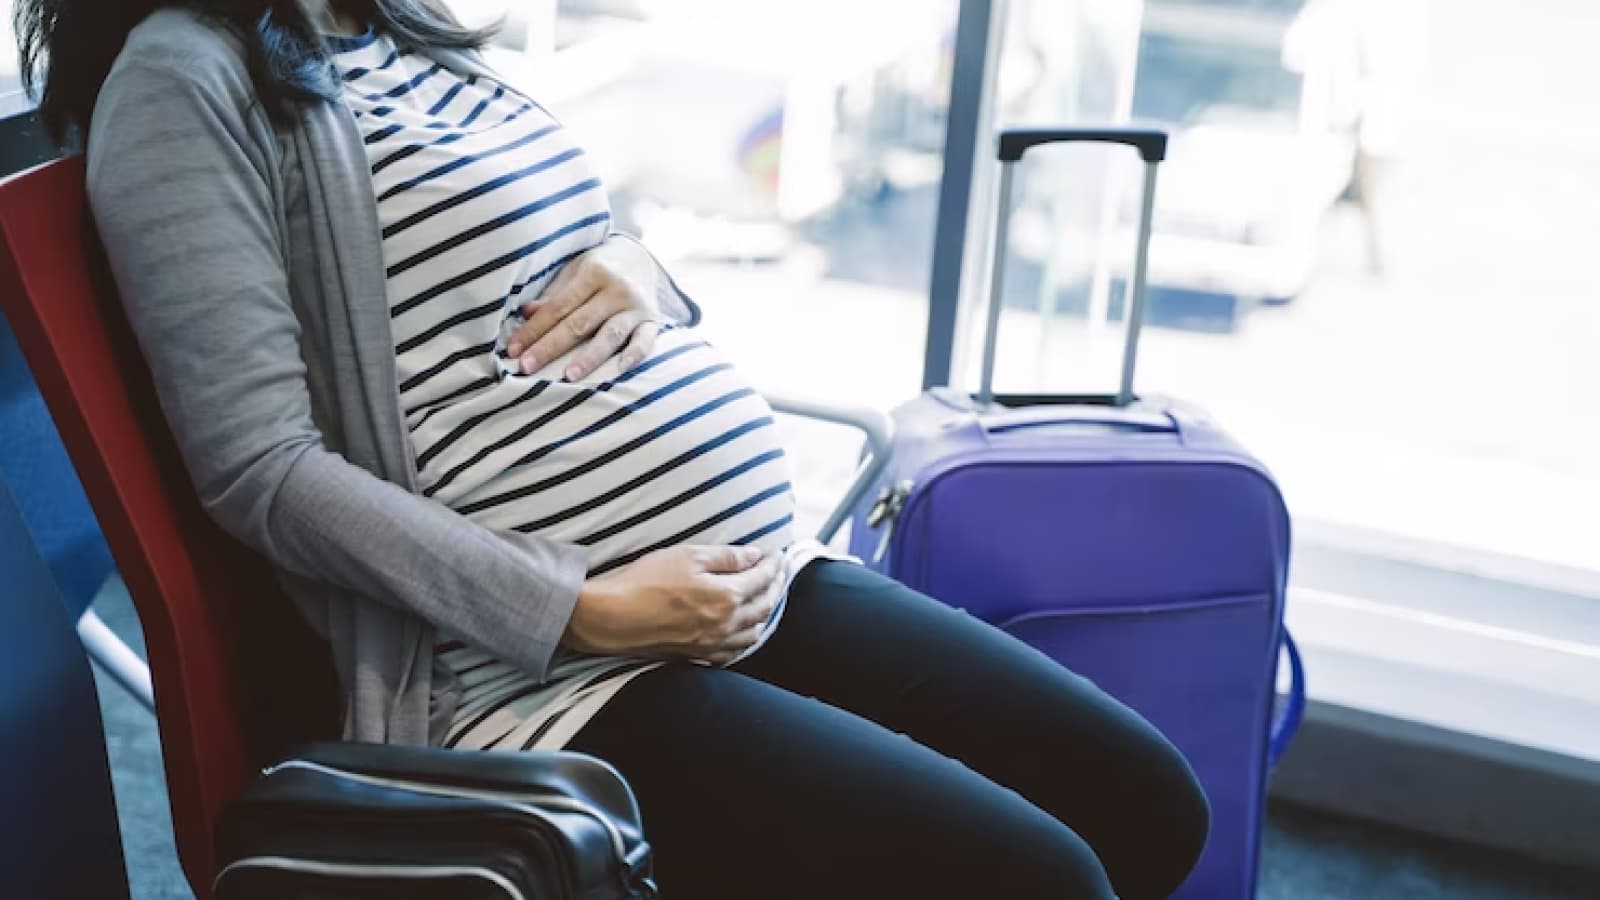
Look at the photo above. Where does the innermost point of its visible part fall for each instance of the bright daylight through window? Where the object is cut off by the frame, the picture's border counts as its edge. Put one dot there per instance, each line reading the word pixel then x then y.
pixel 1368 261
pixel 1370 264
pixel 1367 257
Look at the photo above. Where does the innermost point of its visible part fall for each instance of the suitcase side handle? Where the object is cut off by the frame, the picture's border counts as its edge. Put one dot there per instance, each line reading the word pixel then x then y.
pixel 1151 143
pixel 1289 715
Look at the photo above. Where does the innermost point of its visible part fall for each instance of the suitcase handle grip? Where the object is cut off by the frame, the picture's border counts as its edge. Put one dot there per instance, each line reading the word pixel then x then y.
pixel 1153 423
pixel 1151 144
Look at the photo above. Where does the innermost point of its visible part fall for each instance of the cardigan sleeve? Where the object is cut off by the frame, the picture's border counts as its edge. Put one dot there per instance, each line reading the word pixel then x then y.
pixel 179 189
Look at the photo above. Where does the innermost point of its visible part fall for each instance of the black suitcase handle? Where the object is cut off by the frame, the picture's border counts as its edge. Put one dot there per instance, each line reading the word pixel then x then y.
pixel 1151 144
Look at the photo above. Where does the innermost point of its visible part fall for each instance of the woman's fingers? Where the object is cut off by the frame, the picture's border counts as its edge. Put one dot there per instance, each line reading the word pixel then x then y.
pixel 640 344
pixel 753 614
pixel 574 329
pixel 735 644
pixel 597 301
pixel 744 602
pixel 754 581
pixel 703 602
pixel 723 558
pixel 572 286
pixel 607 342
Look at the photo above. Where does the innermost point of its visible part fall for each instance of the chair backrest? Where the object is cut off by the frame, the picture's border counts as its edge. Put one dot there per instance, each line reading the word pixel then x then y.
pixel 238 675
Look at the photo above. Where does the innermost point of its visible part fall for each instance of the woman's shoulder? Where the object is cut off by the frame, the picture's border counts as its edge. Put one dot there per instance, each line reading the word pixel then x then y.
pixel 185 42
pixel 174 55
pixel 177 76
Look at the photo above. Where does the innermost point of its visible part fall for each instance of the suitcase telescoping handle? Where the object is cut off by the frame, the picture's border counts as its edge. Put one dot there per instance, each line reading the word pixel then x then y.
pixel 1013 143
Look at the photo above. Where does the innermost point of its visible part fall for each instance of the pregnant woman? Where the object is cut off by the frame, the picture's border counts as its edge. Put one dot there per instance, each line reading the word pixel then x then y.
pixel 407 358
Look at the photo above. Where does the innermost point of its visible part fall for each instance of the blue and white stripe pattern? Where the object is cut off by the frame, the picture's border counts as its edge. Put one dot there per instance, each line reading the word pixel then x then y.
pixel 482 197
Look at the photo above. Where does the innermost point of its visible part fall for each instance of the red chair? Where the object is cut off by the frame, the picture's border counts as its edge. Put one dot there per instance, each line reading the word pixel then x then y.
pixel 215 624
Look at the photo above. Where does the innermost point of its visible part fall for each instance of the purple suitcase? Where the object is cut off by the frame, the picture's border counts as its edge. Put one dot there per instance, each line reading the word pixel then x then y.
pixel 1132 540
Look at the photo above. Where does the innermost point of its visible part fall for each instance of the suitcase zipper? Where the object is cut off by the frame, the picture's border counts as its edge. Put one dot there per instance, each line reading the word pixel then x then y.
pixel 885 510
pixel 521 802
pixel 368 870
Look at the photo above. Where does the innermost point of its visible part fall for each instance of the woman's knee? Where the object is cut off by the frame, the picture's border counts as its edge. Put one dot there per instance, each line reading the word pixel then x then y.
pixel 968 837
pixel 1164 819
pixel 997 845
pixel 1111 775
pixel 1184 813
pixel 1052 863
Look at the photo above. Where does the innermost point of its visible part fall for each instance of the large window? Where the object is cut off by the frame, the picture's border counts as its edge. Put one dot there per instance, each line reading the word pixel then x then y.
pixel 1373 264
pixel 1368 258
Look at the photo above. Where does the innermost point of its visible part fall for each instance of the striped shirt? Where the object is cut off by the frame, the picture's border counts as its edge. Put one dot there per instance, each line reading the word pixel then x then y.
pixel 482 198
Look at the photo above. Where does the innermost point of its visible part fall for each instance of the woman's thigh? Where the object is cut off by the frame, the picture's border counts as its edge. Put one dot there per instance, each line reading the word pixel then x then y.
pixel 749 790
pixel 862 642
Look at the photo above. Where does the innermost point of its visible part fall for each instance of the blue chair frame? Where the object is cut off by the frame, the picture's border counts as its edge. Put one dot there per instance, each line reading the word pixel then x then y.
pixel 60 837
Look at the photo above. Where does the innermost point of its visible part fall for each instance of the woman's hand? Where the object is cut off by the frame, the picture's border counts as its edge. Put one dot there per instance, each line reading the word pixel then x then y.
pixel 705 603
pixel 605 299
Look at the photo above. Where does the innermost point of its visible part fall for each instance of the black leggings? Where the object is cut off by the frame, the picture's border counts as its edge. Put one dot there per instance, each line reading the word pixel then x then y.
pixel 784 776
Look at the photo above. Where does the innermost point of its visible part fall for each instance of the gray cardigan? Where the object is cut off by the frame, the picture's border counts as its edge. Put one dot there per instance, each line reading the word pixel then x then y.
pixel 250 263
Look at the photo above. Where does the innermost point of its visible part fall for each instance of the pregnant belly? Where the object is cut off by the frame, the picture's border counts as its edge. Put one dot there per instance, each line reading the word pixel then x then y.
pixel 679 450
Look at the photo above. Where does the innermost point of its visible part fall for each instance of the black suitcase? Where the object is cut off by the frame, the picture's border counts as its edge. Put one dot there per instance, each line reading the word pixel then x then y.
pixel 346 821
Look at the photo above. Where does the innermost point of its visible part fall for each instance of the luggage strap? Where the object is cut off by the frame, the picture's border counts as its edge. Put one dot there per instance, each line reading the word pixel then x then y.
pixel 1293 709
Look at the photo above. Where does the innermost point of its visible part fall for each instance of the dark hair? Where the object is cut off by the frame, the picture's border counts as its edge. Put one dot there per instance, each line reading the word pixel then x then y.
pixel 69 46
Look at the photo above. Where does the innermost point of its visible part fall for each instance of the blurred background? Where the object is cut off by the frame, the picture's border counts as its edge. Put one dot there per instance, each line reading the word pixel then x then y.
pixel 1368 258
pixel 1372 262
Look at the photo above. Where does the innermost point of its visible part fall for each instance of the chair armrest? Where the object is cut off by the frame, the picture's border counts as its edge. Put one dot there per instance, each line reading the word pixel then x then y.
pixel 876 426
pixel 116 659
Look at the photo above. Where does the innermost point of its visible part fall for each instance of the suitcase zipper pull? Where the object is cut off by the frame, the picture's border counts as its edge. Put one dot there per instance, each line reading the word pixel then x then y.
pixel 885 510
